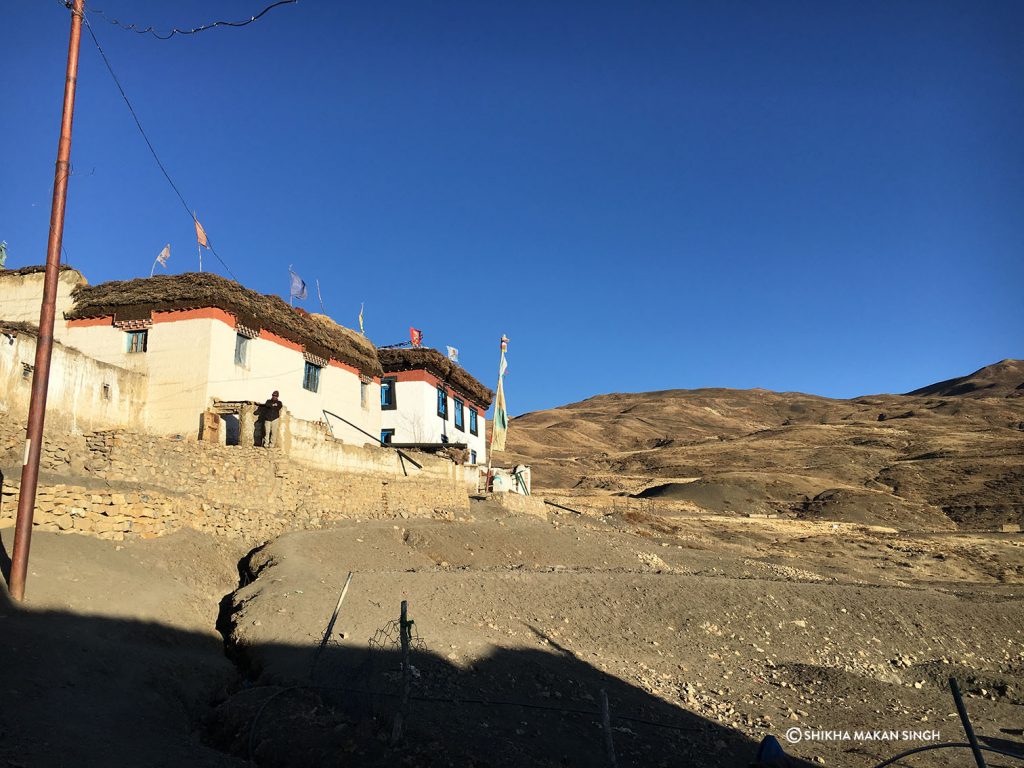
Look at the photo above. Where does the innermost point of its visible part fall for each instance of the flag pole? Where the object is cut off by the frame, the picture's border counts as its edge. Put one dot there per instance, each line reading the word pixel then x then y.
pixel 490 453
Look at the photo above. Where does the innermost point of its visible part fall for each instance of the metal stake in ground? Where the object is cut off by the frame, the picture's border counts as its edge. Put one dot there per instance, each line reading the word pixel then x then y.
pixel 606 724
pixel 404 626
pixel 962 711
pixel 47 313
pixel 330 625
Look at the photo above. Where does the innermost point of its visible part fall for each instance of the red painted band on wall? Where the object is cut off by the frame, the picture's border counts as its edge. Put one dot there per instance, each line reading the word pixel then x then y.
pixel 211 313
pixel 434 381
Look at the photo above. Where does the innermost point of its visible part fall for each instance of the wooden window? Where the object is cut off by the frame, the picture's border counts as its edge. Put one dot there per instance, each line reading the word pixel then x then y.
pixel 364 395
pixel 442 403
pixel 460 414
pixel 472 422
pixel 311 377
pixel 388 393
pixel 387 435
pixel 241 350
pixel 472 457
pixel 138 341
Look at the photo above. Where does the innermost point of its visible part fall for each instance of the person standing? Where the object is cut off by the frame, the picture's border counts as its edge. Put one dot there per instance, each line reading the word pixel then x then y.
pixel 271 414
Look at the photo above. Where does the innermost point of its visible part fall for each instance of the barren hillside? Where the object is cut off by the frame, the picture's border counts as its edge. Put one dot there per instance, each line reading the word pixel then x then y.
pixel 950 454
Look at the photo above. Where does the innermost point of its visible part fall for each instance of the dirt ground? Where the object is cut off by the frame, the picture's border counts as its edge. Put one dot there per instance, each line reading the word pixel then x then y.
pixel 706 632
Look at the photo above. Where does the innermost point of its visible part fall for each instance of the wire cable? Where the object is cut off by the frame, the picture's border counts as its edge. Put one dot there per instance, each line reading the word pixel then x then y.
pixel 175 31
pixel 149 143
pixel 947 745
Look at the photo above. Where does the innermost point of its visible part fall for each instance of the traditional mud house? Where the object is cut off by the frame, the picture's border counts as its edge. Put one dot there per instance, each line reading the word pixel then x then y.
pixel 426 398
pixel 197 339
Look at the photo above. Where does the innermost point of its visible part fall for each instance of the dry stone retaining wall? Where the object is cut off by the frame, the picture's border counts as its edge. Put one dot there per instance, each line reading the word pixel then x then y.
pixel 114 484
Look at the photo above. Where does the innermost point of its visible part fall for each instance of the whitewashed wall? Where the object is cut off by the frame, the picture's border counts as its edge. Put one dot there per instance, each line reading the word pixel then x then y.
pixel 176 365
pixel 22 295
pixel 415 420
pixel 190 362
pixel 271 366
pixel 83 395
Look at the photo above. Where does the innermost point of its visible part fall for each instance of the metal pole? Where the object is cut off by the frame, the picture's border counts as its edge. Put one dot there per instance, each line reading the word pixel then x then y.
pixel 490 443
pixel 47 314
pixel 398 731
pixel 962 711
pixel 330 625
pixel 381 442
pixel 606 726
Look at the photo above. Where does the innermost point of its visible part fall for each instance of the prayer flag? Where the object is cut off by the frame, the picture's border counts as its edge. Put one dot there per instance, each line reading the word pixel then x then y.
pixel 200 233
pixel 298 287
pixel 164 255
pixel 416 337
pixel 361 319
pixel 499 425
pixel 453 354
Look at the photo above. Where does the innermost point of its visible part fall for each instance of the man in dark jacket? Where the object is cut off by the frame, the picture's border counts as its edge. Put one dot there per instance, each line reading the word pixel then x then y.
pixel 271 412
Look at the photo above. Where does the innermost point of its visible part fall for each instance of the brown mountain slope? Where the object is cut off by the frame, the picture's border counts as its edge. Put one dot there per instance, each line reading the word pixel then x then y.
pixel 909 460
pixel 1003 379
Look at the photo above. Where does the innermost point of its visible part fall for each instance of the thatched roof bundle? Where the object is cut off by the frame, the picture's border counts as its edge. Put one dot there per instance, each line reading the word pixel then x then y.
pixel 426 359
pixel 33 269
pixel 16 326
pixel 134 299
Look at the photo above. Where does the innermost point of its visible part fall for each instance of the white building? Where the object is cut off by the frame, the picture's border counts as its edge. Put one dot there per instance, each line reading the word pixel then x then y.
pixel 427 399
pixel 200 338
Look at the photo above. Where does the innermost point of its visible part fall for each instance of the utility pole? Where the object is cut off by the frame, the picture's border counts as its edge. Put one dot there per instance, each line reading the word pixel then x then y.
pixel 47 314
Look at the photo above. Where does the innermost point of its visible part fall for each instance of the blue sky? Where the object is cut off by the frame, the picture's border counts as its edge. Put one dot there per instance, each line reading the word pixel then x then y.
pixel 824 197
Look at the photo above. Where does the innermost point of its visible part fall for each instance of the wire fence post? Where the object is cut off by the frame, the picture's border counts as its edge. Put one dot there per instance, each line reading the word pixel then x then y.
pixel 403 706
pixel 606 724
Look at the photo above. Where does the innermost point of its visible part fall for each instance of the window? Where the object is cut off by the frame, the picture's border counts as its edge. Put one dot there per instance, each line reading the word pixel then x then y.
pixel 26 371
pixel 387 435
pixel 241 350
pixel 137 341
pixel 472 455
pixel 106 391
pixel 364 394
pixel 311 377
pixel 460 416
pixel 442 403
pixel 388 399
pixel 472 422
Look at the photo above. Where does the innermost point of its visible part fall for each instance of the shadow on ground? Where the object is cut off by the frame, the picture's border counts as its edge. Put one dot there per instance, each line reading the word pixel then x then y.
pixel 95 691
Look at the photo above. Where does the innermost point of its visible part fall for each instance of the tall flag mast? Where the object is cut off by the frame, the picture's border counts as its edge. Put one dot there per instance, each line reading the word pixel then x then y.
pixel 499 423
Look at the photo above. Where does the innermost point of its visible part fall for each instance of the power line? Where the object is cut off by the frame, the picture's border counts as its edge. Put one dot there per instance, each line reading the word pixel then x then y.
pixel 149 144
pixel 175 31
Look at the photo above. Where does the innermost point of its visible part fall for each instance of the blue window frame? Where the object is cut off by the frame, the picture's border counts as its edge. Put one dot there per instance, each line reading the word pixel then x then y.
pixel 311 377
pixel 442 403
pixel 138 341
pixel 388 395
pixel 472 422
pixel 472 455
pixel 460 415
pixel 387 435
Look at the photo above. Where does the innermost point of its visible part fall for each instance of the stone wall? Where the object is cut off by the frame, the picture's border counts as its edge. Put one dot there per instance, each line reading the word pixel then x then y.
pixel 115 484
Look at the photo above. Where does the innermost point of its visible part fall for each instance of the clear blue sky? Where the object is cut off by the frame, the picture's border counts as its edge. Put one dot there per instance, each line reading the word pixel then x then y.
pixel 825 197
